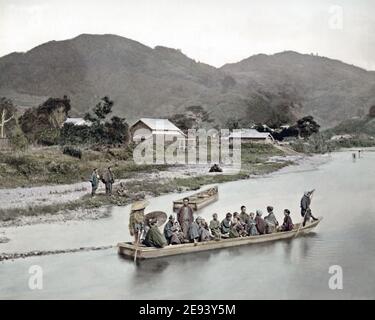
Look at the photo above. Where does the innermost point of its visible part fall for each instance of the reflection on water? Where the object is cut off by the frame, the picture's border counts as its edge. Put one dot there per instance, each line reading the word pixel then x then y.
pixel 295 268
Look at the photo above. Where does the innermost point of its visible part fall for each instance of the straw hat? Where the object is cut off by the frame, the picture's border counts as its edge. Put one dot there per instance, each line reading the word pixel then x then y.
pixel 139 205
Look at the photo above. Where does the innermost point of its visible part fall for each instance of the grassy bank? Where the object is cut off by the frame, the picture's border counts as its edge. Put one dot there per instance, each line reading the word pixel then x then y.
pixel 49 166
pixel 254 162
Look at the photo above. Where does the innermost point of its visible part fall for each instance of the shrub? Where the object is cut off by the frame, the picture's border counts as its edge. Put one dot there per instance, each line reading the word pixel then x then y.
pixel 73 152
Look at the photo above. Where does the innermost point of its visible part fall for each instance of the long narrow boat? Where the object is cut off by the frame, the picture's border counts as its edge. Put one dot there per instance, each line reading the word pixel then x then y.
pixel 199 200
pixel 128 249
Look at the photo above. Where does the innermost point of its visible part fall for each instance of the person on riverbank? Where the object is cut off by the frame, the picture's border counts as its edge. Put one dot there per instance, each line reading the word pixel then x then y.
pixel 215 227
pixel 244 217
pixel 225 225
pixel 185 217
pixel 271 221
pixel 288 223
pixel 154 238
pixel 260 223
pixel 136 220
pixel 109 180
pixel 172 231
pixel 94 179
pixel 251 228
pixel 306 212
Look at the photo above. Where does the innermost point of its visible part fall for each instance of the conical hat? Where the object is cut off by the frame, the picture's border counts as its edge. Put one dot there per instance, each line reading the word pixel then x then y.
pixel 139 205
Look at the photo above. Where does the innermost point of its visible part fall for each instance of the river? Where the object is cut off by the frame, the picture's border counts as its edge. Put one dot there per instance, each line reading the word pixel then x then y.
pixel 293 269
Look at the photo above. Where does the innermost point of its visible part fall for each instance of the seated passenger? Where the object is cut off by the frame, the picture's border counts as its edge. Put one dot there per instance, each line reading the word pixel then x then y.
pixel 194 230
pixel 288 223
pixel 260 223
pixel 215 227
pixel 172 231
pixel 225 225
pixel 204 232
pixel 154 238
pixel 271 221
pixel 251 228
pixel 236 229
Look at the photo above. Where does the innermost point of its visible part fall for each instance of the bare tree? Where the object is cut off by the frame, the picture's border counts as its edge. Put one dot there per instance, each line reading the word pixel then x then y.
pixel 3 122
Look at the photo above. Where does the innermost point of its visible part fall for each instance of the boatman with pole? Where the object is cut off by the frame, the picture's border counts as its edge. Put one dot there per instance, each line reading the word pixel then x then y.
pixel 137 220
pixel 305 207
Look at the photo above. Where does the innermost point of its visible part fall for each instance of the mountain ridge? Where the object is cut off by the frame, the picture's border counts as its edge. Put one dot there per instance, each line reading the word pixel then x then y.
pixel 161 81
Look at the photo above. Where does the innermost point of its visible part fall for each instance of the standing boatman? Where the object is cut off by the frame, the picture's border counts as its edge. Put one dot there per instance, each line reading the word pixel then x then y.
pixel 137 220
pixel 185 217
pixel 305 207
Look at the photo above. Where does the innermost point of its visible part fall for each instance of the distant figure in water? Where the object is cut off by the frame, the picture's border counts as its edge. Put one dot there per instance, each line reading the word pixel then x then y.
pixel 359 153
pixel 354 156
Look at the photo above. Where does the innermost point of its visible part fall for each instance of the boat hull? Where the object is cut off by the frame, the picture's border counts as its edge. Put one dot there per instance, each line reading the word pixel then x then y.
pixel 128 250
pixel 199 200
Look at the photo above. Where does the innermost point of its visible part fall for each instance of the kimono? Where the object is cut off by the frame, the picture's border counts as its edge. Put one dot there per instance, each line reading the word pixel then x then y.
pixel 204 233
pixel 172 233
pixel 194 231
pixel 271 222
pixel 287 224
pixel 215 229
pixel 185 218
pixel 251 228
pixel 94 179
pixel 154 238
pixel 225 226
pixel 244 217
pixel 305 204
pixel 260 224
pixel 136 221
pixel 236 230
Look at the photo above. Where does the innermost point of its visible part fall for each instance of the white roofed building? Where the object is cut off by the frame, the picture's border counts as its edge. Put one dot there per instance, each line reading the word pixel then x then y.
pixel 146 128
pixel 78 122
pixel 252 135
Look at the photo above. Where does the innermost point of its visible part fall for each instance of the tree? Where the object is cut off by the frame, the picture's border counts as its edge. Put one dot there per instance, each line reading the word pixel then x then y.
pixel 7 113
pixel 100 131
pixel 101 110
pixel 192 118
pixel 307 126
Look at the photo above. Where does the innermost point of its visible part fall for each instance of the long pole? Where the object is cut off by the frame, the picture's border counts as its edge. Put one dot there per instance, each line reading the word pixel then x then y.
pixel 137 244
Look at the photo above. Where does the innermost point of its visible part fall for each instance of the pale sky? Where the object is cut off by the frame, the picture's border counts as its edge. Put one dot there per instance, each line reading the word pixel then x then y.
pixel 211 31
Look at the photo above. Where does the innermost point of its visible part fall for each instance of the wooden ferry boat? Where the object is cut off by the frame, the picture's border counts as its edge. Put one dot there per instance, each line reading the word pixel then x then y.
pixel 128 249
pixel 199 200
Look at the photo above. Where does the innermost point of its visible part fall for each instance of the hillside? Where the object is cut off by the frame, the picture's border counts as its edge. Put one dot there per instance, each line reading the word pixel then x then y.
pixel 162 81
pixel 327 89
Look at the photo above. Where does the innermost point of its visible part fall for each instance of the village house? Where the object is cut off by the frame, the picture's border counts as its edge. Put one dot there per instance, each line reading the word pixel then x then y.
pixel 146 128
pixel 341 137
pixel 252 136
